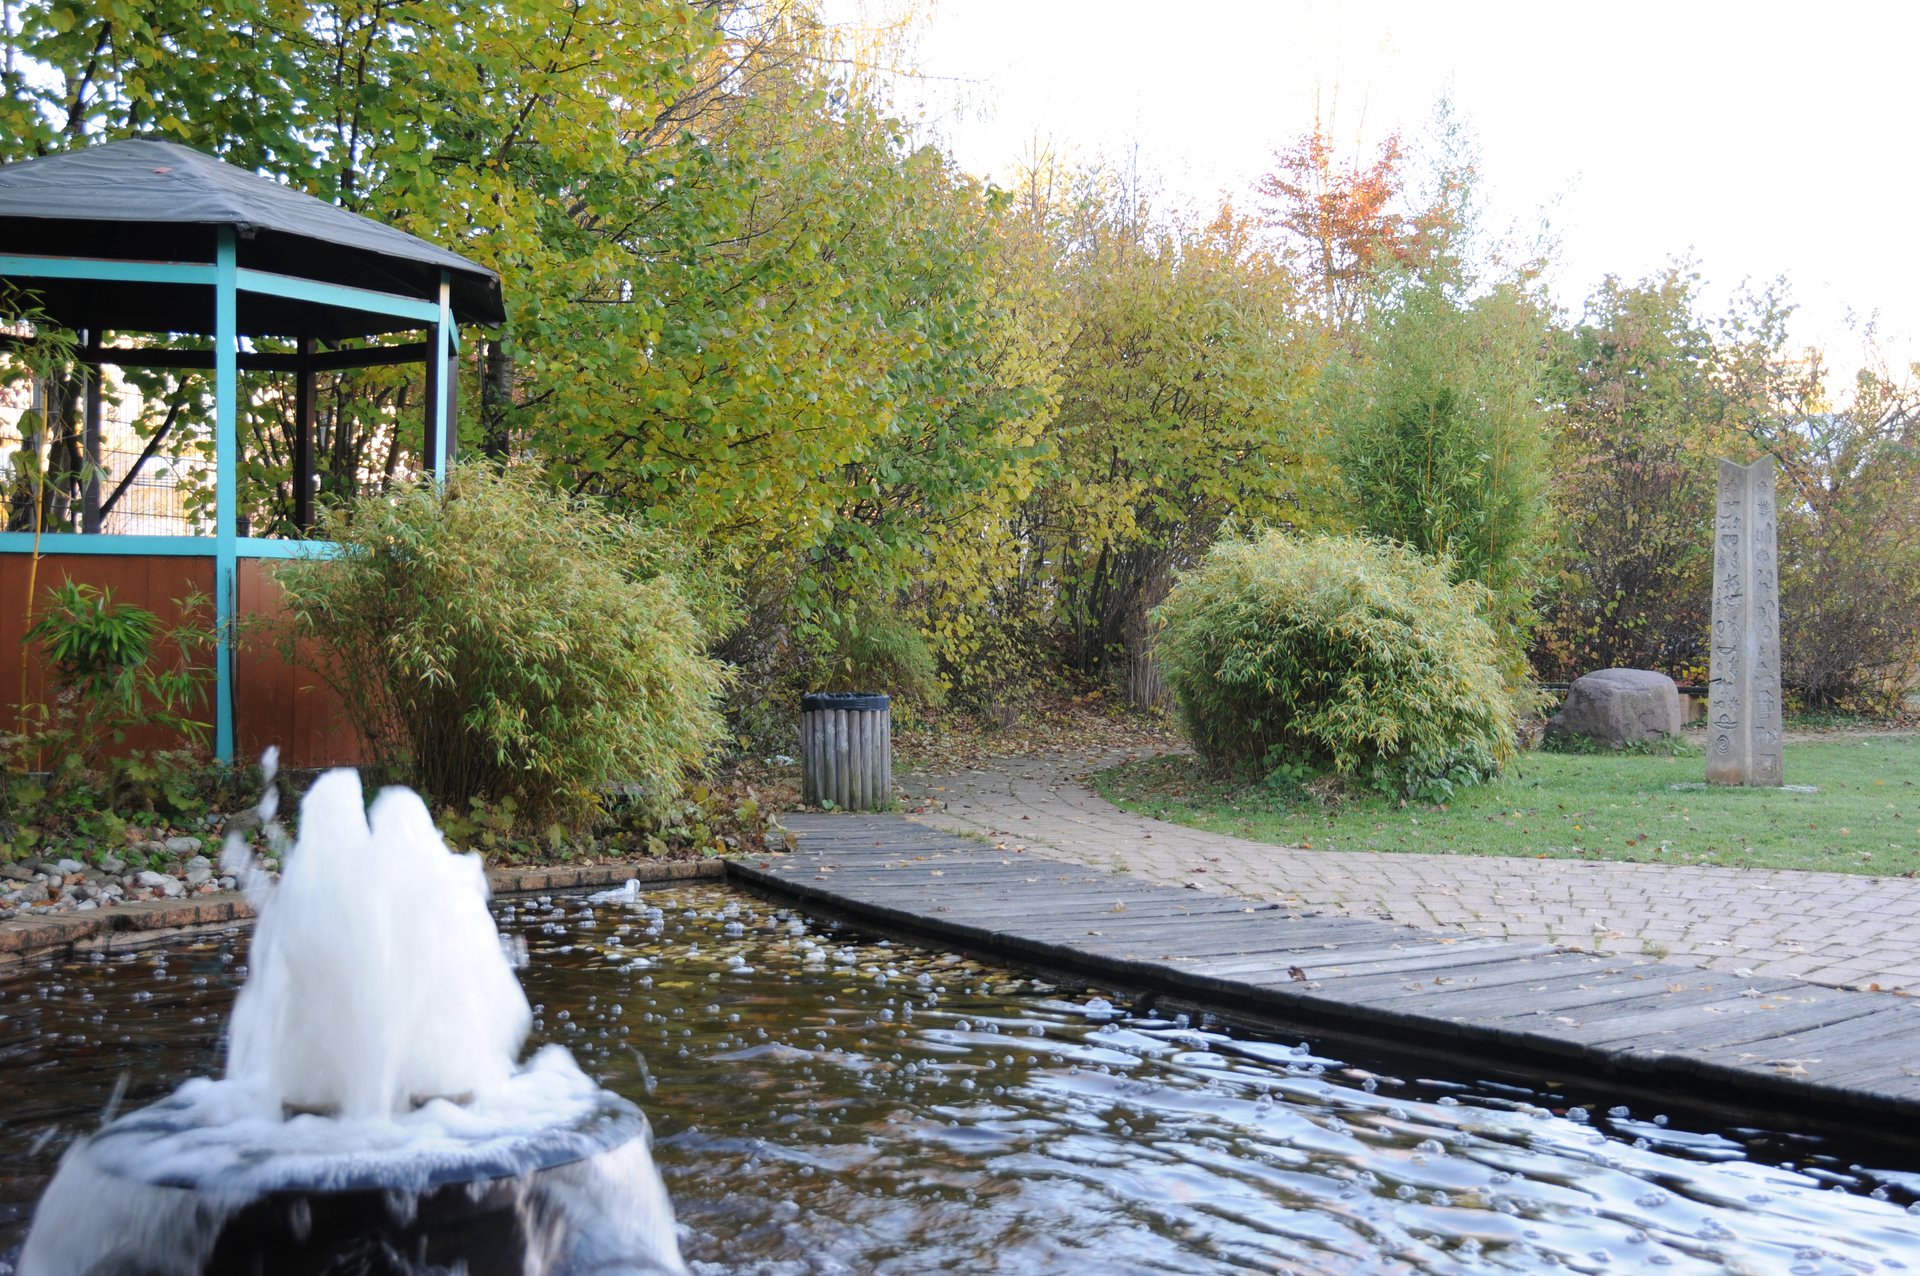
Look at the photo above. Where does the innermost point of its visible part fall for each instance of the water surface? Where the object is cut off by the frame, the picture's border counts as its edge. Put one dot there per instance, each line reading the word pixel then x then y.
pixel 825 1102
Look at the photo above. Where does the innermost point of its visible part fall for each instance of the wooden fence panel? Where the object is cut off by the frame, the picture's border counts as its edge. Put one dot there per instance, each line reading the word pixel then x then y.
pixel 274 702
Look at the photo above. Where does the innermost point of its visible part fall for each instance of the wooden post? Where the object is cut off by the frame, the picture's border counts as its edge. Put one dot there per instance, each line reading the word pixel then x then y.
pixel 453 402
pixel 91 519
pixel 846 744
pixel 436 377
pixel 303 408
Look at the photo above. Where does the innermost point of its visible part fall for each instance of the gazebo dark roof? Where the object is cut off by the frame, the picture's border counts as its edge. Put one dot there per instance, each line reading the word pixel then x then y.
pixel 144 200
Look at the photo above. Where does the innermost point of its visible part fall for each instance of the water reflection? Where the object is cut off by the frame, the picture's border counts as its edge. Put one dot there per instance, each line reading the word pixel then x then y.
pixel 826 1103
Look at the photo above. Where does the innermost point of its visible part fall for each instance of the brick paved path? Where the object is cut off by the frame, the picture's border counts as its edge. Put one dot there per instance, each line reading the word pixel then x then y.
pixel 1827 928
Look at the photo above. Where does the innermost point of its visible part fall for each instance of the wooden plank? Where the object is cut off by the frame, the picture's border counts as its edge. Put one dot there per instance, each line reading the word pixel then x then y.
pixel 1104 920
pixel 1229 942
pixel 1899 1075
pixel 1172 934
pixel 1557 991
pixel 952 873
pixel 1665 986
pixel 1465 966
pixel 1498 971
pixel 1733 1021
pixel 1410 954
pixel 1531 966
pixel 1583 1019
pixel 1892 1032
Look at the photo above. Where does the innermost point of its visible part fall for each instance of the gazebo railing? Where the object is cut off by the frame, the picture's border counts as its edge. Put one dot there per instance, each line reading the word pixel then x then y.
pixel 228 280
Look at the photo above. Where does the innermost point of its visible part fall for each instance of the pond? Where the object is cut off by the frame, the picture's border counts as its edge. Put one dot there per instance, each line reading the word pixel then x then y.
pixel 825 1101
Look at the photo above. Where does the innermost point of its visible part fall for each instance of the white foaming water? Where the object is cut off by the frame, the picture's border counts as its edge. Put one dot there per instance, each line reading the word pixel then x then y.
pixel 377 979
pixel 375 1043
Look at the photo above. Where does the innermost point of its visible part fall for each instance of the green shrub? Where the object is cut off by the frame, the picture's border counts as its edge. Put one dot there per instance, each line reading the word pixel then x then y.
pixel 106 684
pixel 506 642
pixel 1341 653
pixel 873 647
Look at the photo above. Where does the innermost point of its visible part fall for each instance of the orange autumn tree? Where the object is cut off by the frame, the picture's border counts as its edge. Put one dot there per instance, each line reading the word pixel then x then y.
pixel 1344 224
pixel 1338 219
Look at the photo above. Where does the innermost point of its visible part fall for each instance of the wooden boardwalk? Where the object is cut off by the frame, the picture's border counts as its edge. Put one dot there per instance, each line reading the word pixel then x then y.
pixel 1752 1044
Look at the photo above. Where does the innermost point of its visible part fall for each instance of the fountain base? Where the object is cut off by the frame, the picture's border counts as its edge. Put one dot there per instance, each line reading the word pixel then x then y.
pixel 553 1175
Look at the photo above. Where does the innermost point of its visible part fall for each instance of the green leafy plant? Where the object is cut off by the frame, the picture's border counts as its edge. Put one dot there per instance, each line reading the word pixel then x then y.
pixel 1287 778
pixel 1358 657
pixel 106 682
pixel 504 640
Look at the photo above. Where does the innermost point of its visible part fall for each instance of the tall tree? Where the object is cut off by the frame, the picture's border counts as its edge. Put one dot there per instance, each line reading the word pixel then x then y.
pixel 1339 219
pixel 1440 434
pixel 1849 525
pixel 1642 411
pixel 1183 397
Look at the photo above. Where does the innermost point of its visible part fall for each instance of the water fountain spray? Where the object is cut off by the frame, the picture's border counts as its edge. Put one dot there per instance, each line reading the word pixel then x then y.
pixel 375 1115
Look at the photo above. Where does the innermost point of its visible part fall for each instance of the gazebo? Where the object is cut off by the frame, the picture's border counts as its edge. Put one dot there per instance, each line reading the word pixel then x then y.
pixel 155 238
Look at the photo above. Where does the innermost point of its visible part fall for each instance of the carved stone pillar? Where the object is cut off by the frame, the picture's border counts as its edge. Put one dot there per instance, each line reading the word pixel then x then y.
pixel 1743 700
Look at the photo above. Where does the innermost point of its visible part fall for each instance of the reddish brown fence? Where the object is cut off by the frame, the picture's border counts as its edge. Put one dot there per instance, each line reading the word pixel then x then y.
pixel 274 702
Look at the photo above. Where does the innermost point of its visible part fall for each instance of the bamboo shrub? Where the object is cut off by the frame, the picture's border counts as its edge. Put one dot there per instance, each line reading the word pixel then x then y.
pixel 1338 653
pixel 506 642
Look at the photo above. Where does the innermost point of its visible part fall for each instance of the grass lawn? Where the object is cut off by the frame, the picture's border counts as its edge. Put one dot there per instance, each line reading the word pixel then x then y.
pixel 1865 817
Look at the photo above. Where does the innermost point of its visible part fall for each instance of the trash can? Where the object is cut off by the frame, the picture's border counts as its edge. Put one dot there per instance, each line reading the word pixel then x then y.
pixel 846 750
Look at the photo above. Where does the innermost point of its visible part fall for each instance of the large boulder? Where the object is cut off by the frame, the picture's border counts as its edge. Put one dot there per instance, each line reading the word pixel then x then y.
pixel 1617 707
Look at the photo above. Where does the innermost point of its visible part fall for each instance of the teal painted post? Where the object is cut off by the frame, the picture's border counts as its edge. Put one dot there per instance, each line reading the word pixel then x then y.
pixel 226 401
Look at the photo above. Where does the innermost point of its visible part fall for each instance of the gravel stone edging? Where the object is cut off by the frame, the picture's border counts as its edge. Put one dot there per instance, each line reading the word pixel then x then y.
pixel 29 936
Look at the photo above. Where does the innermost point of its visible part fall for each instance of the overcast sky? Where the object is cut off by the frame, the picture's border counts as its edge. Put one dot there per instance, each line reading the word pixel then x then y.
pixel 1759 138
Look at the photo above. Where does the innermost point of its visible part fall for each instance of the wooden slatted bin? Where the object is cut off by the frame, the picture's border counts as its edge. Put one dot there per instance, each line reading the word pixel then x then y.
pixel 846 750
